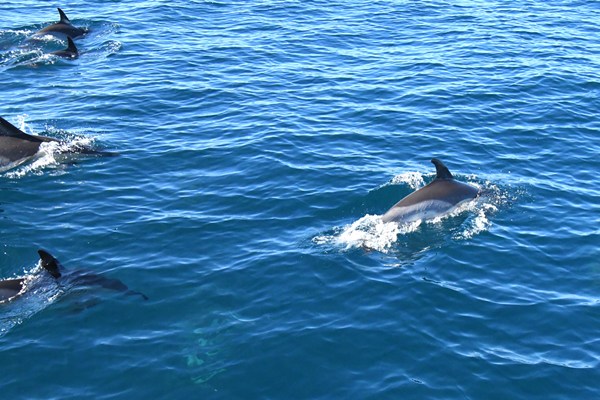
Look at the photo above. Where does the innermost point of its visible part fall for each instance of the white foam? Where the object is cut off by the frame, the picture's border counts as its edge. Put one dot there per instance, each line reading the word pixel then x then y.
pixel 368 232
pixel 413 179
pixel 481 209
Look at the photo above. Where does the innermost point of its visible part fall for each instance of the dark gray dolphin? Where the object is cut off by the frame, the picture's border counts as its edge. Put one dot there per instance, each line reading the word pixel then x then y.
pixel 17 146
pixel 437 198
pixel 69 52
pixel 81 277
pixel 62 28
pixel 11 288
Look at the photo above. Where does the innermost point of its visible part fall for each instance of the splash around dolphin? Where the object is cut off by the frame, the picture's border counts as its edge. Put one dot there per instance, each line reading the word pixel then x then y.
pixel 62 28
pixel 11 289
pixel 439 197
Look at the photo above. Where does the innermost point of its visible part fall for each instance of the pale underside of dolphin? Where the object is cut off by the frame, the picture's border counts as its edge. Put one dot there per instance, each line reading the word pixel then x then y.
pixel 13 288
pixel 439 197
pixel 62 29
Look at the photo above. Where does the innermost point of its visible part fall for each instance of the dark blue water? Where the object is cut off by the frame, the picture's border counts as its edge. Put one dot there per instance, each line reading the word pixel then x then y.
pixel 259 143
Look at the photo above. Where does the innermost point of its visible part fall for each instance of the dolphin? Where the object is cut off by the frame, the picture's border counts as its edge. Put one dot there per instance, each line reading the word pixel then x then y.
pixel 69 52
pixel 62 28
pixel 437 198
pixel 81 277
pixel 17 147
pixel 12 288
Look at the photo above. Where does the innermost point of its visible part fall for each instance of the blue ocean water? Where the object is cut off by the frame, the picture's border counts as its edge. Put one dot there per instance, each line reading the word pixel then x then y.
pixel 259 142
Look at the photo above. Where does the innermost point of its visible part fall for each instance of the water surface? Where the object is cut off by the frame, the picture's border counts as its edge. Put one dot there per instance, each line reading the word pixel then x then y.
pixel 259 143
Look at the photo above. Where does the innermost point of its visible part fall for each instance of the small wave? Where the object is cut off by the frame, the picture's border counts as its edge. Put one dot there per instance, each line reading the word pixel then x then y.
pixel 103 50
pixel 504 355
pixel 479 223
pixel 22 47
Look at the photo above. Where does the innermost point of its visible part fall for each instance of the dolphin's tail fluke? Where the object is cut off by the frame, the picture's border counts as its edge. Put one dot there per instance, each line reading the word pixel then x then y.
pixel 49 263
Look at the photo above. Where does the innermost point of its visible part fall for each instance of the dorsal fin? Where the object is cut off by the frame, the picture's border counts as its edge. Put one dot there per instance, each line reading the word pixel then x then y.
pixel 63 17
pixel 71 47
pixel 50 264
pixel 442 172
pixel 8 129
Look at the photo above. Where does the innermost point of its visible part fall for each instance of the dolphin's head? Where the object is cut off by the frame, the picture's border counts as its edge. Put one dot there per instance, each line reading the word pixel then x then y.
pixel 50 264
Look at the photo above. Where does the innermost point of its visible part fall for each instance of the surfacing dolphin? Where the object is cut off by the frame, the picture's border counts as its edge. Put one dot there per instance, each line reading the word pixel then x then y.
pixel 439 197
pixel 70 52
pixel 17 147
pixel 81 277
pixel 12 288
pixel 62 28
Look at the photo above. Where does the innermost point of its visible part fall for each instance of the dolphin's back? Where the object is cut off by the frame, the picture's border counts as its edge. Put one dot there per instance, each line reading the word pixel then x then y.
pixel 437 198
pixel 449 191
pixel 15 149
pixel 17 145
pixel 63 27
pixel 86 278
pixel 9 130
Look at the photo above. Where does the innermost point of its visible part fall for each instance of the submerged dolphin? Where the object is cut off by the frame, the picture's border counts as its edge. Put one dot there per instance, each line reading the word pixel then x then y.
pixel 83 278
pixel 437 198
pixel 62 28
pixel 70 52
pixel 11 288
pixel 17 147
